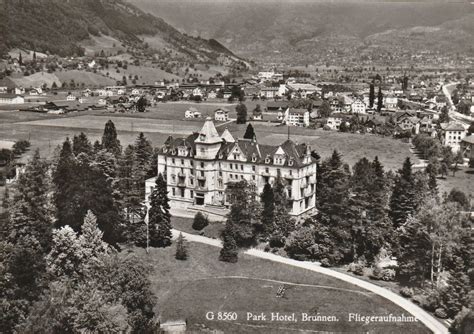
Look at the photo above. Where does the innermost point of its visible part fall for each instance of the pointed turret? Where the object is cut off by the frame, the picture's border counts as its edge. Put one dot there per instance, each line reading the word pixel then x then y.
pixel 208 134
pixel 227 136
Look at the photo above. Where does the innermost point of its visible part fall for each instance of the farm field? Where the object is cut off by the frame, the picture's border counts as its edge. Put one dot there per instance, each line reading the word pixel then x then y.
pixel 189 289
pixel 353 147
pixel 46 131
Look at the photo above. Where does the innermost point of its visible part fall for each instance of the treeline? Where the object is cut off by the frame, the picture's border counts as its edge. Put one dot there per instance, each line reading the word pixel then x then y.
pixel 440 158
pixel 366 216
pixel 60 268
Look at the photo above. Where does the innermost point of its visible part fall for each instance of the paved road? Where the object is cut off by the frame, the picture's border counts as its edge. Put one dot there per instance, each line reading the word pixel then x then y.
pixel 424 317
pixel 464 119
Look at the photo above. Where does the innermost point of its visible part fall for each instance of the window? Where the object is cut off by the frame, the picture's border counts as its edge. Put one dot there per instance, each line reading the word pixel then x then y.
pixel 173 191
pixel 220 174
pixel 191 194
pixel 241 177
pixel 191 171
pixel 202 164
pixel 253 177
pixel 173 178
pixel 202 173
pixel 241 167
pixel 235 156
pixel 231 176
pixel 172 161
pixel 253 168
pixel 182 162
pixel 182 192
pixel 191 181
pixel 267 170
pixel 230 165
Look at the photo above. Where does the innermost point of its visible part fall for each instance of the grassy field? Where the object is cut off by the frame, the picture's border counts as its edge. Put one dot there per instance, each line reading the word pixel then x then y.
pixel 353 147
pixel 189 289
pixel 463 180
pixel 46 131
pixel 213 230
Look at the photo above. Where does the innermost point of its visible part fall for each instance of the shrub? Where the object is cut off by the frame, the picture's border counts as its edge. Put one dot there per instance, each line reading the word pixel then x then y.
pixel 300 244
pixel 325 263
pixel 200 221
pixel 181 249
pixel 277 240
pixel 406 292
pixel 388 275
pixel 429 300
pixel 356 268
pixel 376 273
pixel 440 313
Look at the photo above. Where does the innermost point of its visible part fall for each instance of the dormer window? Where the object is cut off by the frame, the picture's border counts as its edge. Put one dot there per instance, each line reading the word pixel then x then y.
pixel 267 160
pixel 291 162
pixel 202 137
pixel 254 158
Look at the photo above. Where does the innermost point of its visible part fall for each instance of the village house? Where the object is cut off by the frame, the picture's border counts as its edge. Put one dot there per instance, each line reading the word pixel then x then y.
pixel 303 89
pixel 71 97
pixel 358 106
pixel 11 99
pixel 408 122
pixel 269 92
pixel 334 122
pixel 390 102
pixel 467 147
pixel 296 117
pixel 452 134
pixel 257 115
pixel 277 105
pixel 221 115
pixel 199 168
pixel 192 113
pixel 19 91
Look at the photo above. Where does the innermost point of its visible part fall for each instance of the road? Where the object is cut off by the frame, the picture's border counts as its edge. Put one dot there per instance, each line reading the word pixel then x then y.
pixel 428 320
pixel 466 120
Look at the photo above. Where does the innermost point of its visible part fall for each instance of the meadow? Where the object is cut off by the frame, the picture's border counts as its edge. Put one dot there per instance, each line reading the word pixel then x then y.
pixel 189 289
pixel 46 131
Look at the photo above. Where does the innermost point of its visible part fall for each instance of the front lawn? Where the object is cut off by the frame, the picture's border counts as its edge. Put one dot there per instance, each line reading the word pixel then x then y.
pixel 189 289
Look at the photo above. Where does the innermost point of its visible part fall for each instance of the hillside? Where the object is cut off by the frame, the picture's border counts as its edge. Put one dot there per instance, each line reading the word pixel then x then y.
pixel 272 31
pixel 73 27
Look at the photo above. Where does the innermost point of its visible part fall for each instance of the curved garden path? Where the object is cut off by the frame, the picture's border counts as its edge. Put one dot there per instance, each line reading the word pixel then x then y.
pixel 424 317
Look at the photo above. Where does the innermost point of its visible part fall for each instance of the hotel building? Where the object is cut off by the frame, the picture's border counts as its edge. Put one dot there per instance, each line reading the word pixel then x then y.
pixel 198 168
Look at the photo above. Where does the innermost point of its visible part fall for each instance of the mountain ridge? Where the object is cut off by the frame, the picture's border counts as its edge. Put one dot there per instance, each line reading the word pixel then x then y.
pixel 59 27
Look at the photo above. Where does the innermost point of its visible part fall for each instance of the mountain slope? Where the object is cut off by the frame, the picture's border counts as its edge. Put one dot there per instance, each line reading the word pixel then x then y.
pixel 282 30
pixel 59 27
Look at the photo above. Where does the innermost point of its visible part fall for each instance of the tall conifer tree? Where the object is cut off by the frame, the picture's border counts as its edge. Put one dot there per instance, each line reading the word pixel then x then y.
pixel 159 217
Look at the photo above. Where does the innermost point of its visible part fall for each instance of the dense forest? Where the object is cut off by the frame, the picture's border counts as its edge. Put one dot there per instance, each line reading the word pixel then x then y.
pixel 57 27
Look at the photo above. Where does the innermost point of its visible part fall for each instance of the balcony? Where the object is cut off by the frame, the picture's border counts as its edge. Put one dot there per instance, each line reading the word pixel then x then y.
pixel 181 183
pixel 202 187
pixel 181 174
pixel 201 177
pixel 308 192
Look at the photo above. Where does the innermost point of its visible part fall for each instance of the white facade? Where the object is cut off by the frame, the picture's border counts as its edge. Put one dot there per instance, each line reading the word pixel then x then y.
pixel 221 115
pixel 452 135
pixel 11 99
pixel 199 167
pixel 358 106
